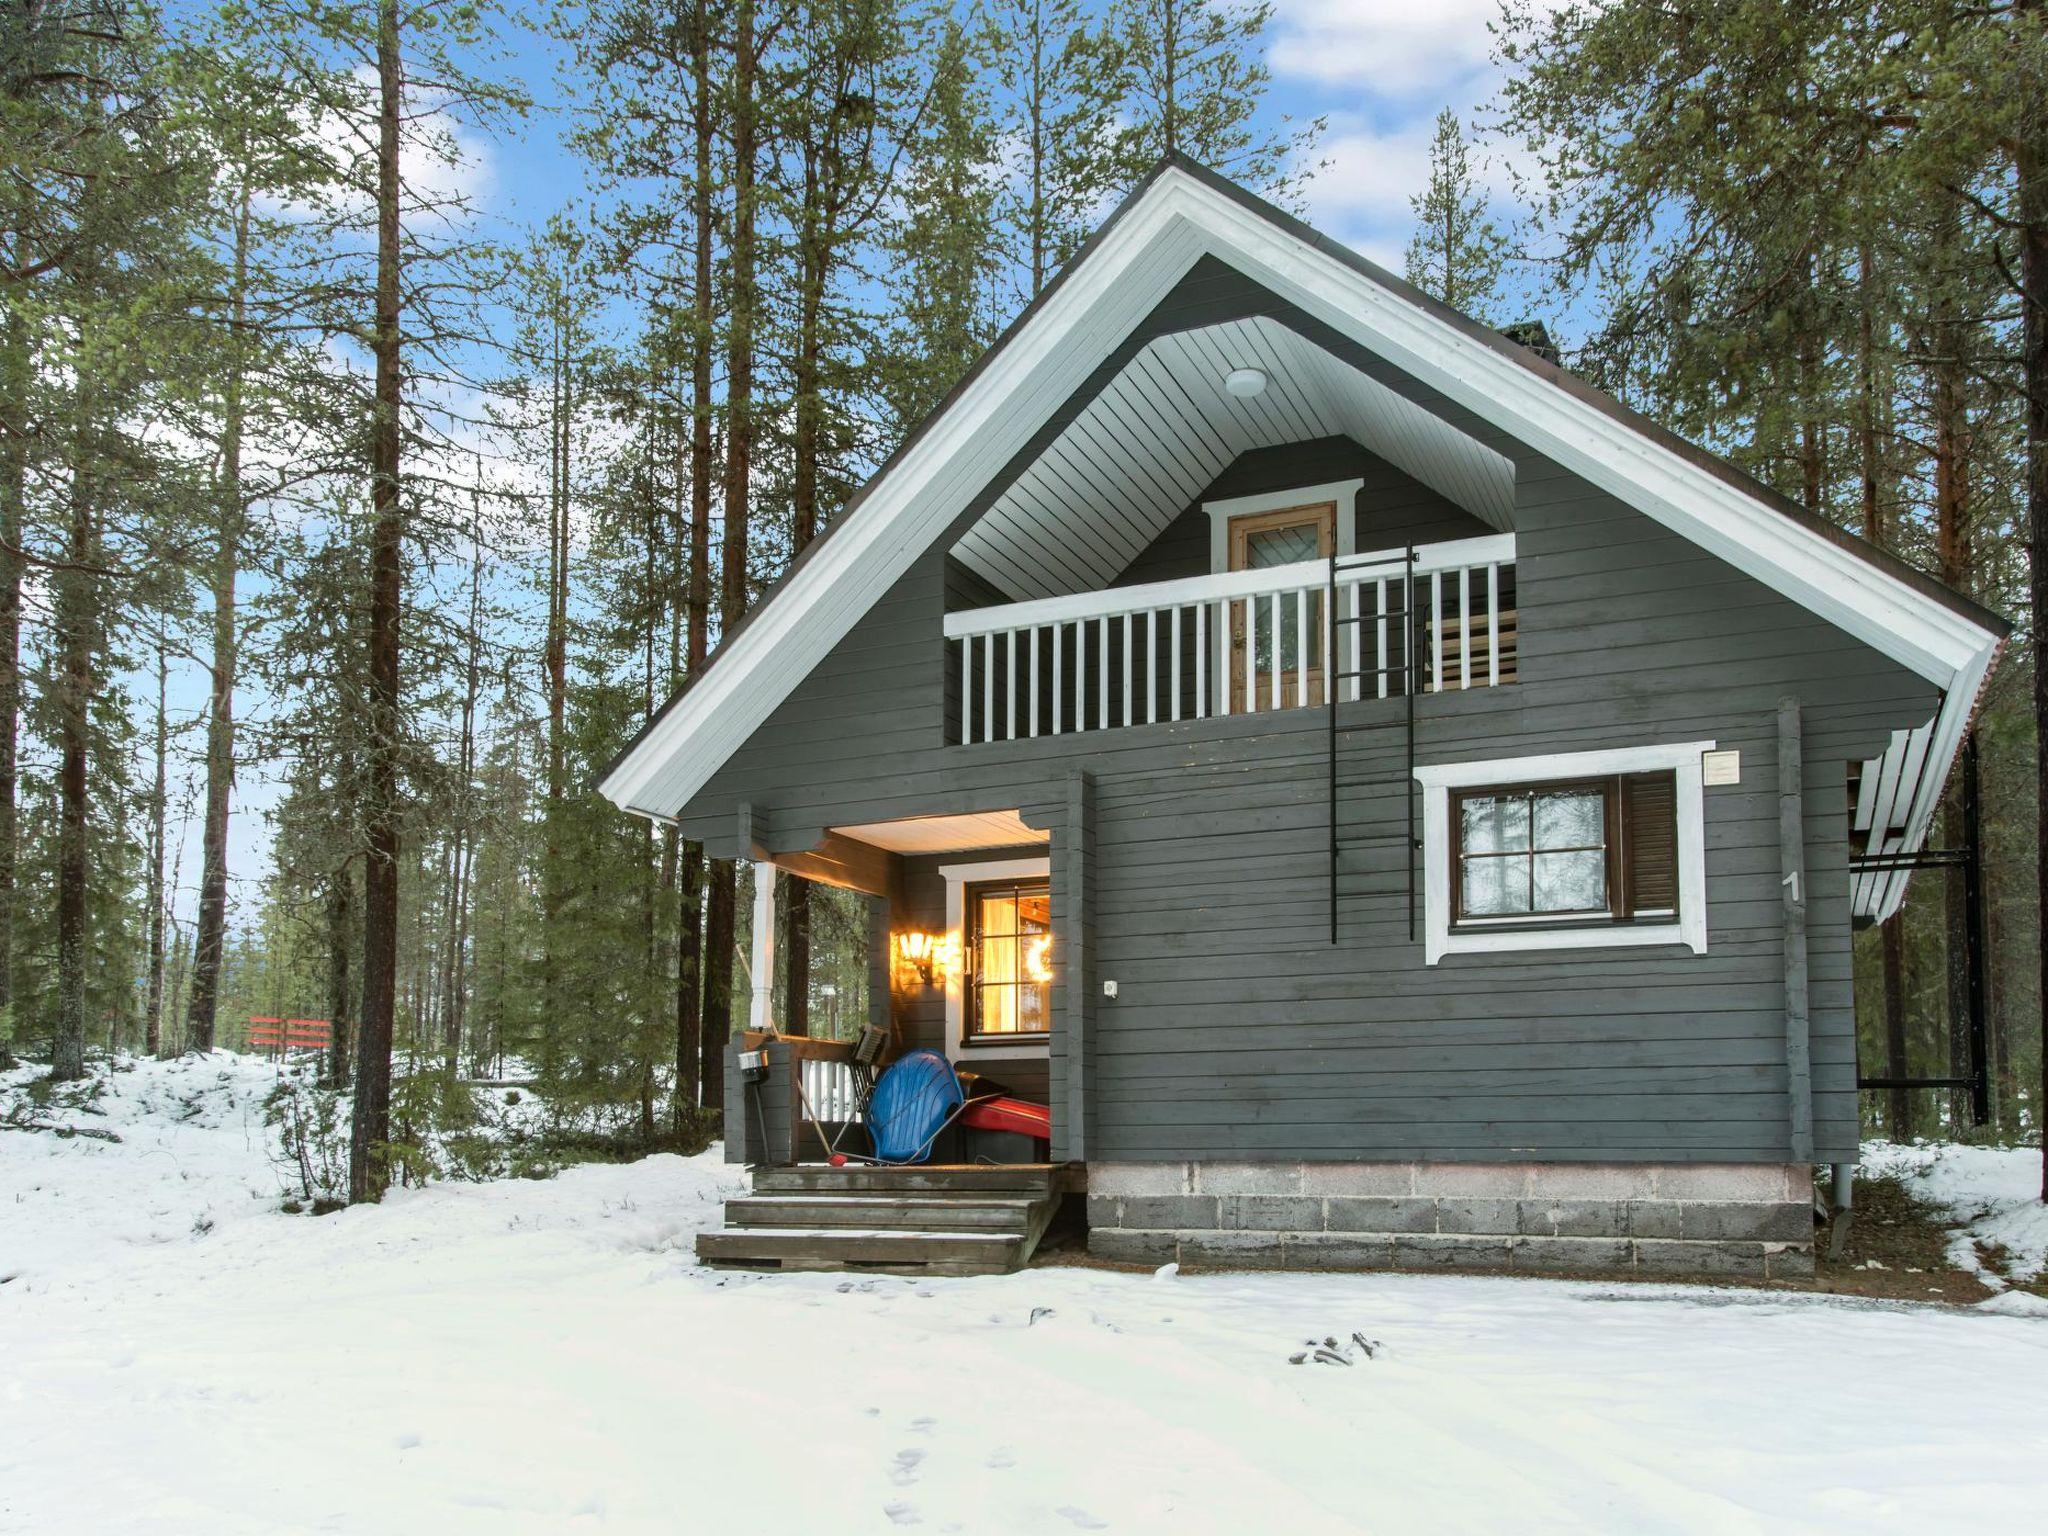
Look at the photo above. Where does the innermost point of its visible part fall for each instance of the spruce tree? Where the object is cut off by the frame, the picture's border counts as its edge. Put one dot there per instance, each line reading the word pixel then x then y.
pixel 1456 253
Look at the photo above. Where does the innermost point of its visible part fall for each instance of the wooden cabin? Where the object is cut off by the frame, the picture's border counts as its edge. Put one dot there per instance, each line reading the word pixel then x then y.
pixel 1392 803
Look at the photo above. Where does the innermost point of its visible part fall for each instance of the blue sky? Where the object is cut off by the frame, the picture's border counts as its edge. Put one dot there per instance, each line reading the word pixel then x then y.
pixel 1378 70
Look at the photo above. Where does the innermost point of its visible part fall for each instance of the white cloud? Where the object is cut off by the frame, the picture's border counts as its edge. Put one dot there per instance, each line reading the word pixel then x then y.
pixel 1402 48
pixel 1369 175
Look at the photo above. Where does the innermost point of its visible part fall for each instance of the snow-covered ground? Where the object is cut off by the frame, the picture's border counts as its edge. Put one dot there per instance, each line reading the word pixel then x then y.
pixel 177 1355
pixel 1992 1193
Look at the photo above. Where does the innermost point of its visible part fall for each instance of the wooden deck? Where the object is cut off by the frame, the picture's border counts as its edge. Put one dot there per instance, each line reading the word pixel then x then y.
pixel 945 1219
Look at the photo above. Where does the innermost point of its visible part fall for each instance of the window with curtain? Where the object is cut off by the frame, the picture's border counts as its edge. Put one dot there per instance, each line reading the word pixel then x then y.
pixel 1009 959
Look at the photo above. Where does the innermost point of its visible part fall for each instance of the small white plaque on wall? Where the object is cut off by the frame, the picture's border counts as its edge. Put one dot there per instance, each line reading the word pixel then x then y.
pixel 1723 767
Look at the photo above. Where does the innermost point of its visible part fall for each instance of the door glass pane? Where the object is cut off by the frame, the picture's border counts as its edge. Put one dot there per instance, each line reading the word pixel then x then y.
pixel 1268 547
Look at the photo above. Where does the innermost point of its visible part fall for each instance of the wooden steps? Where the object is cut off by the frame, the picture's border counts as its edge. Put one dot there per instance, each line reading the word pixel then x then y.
pixel 927 1220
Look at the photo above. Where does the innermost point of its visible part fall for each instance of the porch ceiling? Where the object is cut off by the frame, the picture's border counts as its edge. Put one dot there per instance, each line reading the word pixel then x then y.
pixel 946 834
pixel 1144 449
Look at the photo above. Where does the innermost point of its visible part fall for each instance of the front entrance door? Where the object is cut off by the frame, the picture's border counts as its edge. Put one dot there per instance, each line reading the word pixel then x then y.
pixel 1258 541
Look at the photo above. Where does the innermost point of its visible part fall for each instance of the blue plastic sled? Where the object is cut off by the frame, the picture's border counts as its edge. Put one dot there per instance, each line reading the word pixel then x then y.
pixel 914 1101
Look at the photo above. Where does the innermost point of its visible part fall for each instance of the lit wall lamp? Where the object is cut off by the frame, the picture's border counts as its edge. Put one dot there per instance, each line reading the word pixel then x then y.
pixel 1038 958
pixel 927 953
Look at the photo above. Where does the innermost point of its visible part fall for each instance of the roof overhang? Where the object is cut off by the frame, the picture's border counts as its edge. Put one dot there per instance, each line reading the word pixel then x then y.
pixel 1180 214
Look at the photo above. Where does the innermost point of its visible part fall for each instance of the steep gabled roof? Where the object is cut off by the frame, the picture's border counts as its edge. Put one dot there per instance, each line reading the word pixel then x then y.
pixel 1178 214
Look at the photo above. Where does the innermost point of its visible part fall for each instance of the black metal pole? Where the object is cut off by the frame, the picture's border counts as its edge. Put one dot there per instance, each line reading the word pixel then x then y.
pixel 1408 688
pixel 1333 690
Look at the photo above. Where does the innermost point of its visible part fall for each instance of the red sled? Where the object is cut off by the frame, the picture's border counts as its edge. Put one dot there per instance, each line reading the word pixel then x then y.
pixel 1003 1113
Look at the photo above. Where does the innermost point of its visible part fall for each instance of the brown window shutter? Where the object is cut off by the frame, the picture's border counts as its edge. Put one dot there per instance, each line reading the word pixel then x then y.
pixel 1649 817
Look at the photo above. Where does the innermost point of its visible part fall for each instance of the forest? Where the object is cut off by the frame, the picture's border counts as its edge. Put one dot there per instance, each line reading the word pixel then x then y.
pixel 331 509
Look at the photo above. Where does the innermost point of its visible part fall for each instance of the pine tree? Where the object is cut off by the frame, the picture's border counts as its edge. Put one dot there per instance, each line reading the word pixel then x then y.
pixel 1055 89
pixel 943 242
pixel 1456 253
pixel 1194 78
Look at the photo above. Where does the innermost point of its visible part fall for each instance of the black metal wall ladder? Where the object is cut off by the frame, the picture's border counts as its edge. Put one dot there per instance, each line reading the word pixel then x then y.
pixel 1385 675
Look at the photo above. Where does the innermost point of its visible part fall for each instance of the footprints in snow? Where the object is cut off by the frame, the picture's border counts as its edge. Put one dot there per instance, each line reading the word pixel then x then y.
pixel 907 1465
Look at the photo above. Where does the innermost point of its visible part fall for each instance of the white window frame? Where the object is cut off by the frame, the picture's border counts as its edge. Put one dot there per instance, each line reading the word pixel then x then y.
pixel 1681 758
pixel 958 877
pixel 1343 492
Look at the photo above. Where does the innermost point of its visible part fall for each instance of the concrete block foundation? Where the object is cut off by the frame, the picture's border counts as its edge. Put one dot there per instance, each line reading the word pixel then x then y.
pixel 1753 1220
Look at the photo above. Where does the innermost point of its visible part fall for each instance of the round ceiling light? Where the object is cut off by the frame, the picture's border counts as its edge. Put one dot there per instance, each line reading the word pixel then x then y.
pixel 1245 382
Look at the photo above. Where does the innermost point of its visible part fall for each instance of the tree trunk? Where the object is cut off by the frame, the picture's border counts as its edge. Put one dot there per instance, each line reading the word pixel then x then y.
pixel 689 978
pixel 75 617
pixel 220 712
pixel 739 440
pixel 153 1013
pixel 2032 168
pixel 693 1049
pixel 555 662
pixel 369 1171
pixel 723 880
pixel 14 438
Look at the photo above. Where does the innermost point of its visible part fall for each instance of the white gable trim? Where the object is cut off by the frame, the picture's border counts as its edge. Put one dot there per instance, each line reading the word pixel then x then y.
pixel 1151 244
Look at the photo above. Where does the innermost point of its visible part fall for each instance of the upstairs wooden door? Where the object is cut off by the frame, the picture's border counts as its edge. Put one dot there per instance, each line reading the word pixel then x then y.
pixel 1259 541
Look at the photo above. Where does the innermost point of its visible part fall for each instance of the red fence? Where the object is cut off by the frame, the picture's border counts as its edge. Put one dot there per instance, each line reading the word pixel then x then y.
pixel 282 1036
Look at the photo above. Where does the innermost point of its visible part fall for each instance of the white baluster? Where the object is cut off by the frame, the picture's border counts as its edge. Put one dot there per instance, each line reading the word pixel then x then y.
pixel 967 690
pixel 1151 665
pixel 1130 673
pixel 1034 679
pixel 1354 641
pixel 1059 702
pixel 1464 626
pixel 1010 642
pixel 1493 625
pixel 1301 648
pixel 1276 650
pixel 1102 700
pixel 1436 632
pixel 1226 651
pixel 1379 651
pixel 1177 626
pixel 988 687
pixel 1201 661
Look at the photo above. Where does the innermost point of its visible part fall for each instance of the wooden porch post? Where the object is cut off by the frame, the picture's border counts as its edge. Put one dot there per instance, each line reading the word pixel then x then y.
pixel 763 1009
pixel 1074 918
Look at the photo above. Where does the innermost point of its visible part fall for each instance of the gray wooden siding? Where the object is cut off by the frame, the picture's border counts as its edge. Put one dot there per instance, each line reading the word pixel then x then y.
pixel 1393 508
pixel 1240 1031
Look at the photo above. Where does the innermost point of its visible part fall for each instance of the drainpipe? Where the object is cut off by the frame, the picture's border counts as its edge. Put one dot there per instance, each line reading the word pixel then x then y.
pixel 1842 1202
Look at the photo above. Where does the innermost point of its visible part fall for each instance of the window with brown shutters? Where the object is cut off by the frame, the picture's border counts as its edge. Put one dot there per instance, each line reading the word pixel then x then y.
pixel 1587 850
pixel 1649 832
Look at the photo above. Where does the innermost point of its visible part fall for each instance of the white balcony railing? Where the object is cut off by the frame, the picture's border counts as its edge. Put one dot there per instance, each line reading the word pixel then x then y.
pixel 1240 642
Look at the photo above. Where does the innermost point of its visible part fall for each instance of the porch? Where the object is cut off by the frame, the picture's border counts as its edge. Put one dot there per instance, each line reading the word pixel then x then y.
pixel 964 941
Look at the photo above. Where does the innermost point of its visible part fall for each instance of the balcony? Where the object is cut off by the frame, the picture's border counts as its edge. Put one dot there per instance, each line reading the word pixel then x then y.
pixel 1432 619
